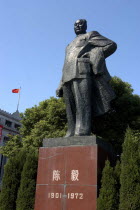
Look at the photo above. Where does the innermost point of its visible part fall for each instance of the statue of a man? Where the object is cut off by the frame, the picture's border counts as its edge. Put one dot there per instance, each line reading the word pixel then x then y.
pixel 85 80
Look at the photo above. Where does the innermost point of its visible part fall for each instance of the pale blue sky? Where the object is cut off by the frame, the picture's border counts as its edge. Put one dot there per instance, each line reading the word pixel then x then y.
pixel 34 34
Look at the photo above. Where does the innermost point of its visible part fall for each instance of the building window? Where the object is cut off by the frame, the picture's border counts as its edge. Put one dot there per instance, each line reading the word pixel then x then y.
pixel 17 126
pixel 8 123
pixel 6 138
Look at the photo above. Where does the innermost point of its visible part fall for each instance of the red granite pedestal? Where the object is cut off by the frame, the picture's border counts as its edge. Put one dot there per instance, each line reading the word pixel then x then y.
pixel 68 176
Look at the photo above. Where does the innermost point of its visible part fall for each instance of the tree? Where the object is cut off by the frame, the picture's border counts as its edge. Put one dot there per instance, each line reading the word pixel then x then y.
pixel 130 172
pixel 48 120
pixel 125 111
pixel 107 197
pixel 13 146
pixel 11 181
pixel 26 192
pixel 117 172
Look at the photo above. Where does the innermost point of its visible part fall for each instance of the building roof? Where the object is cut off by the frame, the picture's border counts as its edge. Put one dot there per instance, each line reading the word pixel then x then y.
pixel 14 116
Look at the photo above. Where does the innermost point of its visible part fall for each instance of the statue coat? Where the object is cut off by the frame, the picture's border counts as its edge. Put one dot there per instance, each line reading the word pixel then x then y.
pixel 85 58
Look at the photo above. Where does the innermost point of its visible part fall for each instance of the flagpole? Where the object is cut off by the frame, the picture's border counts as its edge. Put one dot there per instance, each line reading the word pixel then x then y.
pixel 18 99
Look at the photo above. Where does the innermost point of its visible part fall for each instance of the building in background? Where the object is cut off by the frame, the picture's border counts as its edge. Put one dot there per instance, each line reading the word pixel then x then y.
pixel 9 124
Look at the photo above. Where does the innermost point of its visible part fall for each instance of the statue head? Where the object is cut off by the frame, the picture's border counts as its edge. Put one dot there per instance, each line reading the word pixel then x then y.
pixel 80 26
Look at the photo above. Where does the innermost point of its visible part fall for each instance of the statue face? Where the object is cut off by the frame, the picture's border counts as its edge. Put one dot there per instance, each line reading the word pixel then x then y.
pixel 80 27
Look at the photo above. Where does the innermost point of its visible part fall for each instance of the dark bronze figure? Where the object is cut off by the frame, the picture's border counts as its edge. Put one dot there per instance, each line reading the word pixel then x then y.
pixel 85 80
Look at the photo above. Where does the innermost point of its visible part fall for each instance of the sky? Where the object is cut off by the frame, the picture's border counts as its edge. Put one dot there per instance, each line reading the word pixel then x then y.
pixel 35 33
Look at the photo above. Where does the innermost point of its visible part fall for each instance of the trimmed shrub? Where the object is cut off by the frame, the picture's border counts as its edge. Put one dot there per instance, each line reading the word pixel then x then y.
pixel 26 193
pixel 107 197
pixel 11 181
pixel 130 172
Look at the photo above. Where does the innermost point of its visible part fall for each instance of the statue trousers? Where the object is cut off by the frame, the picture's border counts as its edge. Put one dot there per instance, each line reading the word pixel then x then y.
pixel 77 96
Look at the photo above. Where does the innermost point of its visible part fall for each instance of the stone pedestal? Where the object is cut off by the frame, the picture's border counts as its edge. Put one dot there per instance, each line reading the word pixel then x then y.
pixel 69 170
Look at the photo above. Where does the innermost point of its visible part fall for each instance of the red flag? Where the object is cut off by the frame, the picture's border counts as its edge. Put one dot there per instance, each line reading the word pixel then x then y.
pixel 15 90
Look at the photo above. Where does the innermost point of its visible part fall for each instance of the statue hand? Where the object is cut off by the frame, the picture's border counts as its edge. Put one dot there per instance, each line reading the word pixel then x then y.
pixel 59 92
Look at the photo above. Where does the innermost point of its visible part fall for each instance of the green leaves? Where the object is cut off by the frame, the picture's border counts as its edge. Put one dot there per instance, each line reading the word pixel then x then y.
pixel 26 192
pixel 125 111
pixel 108 197
pixel 130 172
pixel 121 187
pixel 11 181
pixel 13 146
pixel 48 120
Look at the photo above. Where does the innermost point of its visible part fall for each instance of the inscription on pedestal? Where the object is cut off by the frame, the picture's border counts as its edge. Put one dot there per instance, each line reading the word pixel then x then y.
pixel 68 196
pixel 67 175
pixel 56 176
pixel 67 178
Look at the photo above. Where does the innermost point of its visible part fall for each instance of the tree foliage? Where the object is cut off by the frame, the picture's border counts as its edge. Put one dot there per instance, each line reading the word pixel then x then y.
pixel 48 120
pixel 125 111
pixel 11 181
pixel 130 172
pixel 26 192
pixel 107 197
pixel 117 172
pixel 13 146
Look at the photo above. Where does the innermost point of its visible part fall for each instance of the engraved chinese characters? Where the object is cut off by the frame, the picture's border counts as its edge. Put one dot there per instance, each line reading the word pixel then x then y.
pixel 74 175
pixel 56 176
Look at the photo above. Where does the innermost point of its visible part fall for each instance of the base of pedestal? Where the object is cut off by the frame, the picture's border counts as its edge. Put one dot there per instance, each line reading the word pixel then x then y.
pixel 68 173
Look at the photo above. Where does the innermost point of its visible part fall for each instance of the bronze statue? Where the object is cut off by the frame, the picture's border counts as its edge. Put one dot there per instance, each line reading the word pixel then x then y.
pixel 85 80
